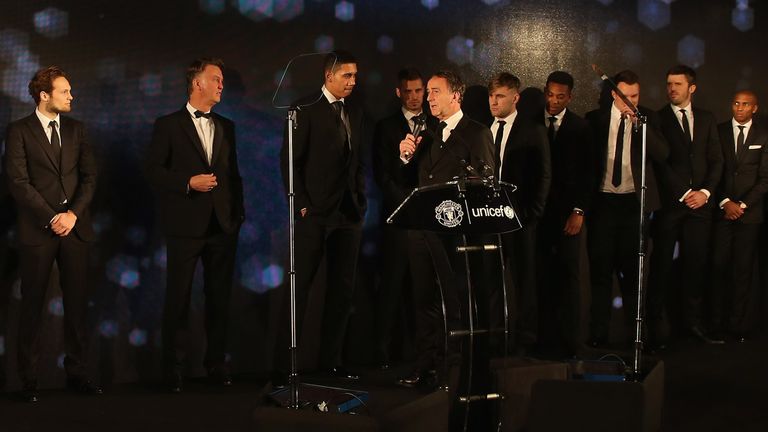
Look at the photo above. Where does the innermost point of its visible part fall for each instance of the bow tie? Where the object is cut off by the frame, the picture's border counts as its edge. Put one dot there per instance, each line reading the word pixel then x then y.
pixel 199 114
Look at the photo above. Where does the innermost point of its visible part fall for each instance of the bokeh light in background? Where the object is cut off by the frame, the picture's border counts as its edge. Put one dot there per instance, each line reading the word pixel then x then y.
pixel 52 23
pixel 108 329
pixel 690 51
pixel 137 337
pixel 654 14
pixel 345 11
pixel 56 306
pixel 123 270
pixel 430 4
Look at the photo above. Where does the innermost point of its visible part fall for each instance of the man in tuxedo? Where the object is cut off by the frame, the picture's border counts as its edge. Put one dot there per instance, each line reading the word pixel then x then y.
pixel 561 230
pixel 330 202
pixel 395 182
pixel 51 173
pixel 457 147
pixel 192 165
pixel 523 159
pixel 612 239
pixel 740 198
pixel 691 174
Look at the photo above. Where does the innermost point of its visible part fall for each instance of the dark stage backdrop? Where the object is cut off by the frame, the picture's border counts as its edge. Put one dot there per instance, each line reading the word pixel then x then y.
pixel 126 63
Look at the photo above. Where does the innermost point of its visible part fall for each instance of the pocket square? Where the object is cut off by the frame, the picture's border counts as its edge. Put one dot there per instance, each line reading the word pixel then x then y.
pixel 752 147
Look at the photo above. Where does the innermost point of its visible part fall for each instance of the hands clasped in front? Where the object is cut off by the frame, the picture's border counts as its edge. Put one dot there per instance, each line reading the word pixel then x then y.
pixel 63 223
pixel 203 182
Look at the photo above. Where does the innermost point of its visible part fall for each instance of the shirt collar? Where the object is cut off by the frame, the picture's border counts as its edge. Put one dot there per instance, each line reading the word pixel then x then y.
pixel 736 124
pixel 615 112
pixel 45 120
pixel 192 110
pixel 328 95
pixel 687 108
pixel 453 120
pixel 509 120
pixel 408 114
pixel 559 116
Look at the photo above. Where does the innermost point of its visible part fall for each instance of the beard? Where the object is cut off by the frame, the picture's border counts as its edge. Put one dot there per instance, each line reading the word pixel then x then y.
pixel 58 108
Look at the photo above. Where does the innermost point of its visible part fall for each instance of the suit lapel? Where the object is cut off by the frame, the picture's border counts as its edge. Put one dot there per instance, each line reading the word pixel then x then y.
pixel 729 143
pixel 37 131
pixel 218 139
pixel 748 140
pixel 189 128
pixel 67 132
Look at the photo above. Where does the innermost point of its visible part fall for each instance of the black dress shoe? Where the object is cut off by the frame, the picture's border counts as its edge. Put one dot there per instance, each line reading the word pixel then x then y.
pixel 174 383
pixel 29 393
pixel 342 372
pixel 384 366
pixel 83 386
pixel 220 376
pixel 699 334
pixel 418 378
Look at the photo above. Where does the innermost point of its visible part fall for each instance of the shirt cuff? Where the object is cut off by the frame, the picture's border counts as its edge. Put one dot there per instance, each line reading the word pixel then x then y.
pixel 685 195
pixel 705 192
pixel 404 160
pixel 722 203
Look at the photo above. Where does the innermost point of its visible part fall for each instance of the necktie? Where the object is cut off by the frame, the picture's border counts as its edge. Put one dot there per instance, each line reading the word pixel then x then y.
pixel 618 155
pixel 686 126
pixel 343 127
pixel 740 139
pixel 55 143
pixel 440 128
pixel 199 114
pixel 551 132
pixel 498 141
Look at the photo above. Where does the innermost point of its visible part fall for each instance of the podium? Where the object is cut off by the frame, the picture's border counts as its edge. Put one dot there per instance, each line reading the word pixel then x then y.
pixel 467 208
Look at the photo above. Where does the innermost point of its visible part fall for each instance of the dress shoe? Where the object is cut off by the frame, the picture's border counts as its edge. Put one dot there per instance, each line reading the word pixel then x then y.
pixel 419 378
pixel 220 376
pixel 342 372
pixel 699 334
pixel 739 337
pixel 29 392
pixel 174 383
pixel 384 366
pixel 83 386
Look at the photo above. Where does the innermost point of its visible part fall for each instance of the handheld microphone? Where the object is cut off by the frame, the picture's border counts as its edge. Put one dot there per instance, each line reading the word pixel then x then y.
pixel 486 169
pixel 418 125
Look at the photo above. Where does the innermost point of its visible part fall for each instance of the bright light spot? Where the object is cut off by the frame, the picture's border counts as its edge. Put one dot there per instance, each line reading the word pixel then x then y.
pixel 56 307
pixel 345 11
pixel 52 23
pixel 272 276
pixel 618 302
pixel 137 337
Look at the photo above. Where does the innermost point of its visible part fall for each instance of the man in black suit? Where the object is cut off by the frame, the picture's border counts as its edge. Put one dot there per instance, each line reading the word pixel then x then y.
pixel 395 182
pixel 440 156
pixel 51 173
pixel 330 202
pixel 522 158
pixel 614 217
pixel 561 230
pixel 686 181
pixel 192 165
pixel 740 198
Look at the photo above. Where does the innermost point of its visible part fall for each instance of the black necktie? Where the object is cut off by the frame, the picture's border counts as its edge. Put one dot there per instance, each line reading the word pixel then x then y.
pixel 551 132
pixel 55 143
pixel 686 126
pixel 199 114
pixel 740 139
pixel 342 122
pixel 618 155
pixel 499 138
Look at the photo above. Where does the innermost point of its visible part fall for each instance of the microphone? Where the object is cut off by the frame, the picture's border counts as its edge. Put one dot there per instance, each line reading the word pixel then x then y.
pixel 418 125
pixel 486 169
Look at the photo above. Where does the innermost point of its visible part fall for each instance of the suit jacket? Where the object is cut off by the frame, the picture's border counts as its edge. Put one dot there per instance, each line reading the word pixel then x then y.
pixel 745 176
pixel 40 185
pixel 527 165
pixel 698 165
pixel 175 155
pixel 394 180
pixel 658 151
pixel 324 167
pixel 470 143
pixel 571 154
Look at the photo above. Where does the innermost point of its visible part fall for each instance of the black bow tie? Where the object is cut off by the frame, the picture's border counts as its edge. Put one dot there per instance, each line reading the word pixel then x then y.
pixel 199 114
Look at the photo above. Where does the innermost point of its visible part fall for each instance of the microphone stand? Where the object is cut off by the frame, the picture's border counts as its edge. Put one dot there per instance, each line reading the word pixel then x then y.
pixel 639 124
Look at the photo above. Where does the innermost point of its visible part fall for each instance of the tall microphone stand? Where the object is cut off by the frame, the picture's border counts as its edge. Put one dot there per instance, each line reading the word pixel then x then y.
pixel 639 124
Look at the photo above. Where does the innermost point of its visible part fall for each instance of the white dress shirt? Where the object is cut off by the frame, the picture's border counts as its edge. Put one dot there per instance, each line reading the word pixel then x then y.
pixel 205 129
pixel 627 181
pixel 45 121
pixel 735 126
pixel 409 118
pixel 509 121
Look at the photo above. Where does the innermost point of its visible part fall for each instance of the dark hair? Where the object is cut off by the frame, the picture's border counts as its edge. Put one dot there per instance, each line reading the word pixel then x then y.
pixel 409 74
pixel 560 77
pixel 198 66
pixel 504 79
pixel 42 81
pixel 455 84
pixel 627 77
pixel 333 60
pixel 747 92
pixel 681 69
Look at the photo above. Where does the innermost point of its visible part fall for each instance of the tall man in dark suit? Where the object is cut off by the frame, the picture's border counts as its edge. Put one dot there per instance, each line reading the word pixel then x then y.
pixel 614 218
pixel 192 164
pixel 522 158
pixel 686 182
pixel 330 200
pixel 440 156
pixel 561 230
pixel 740 197
pixel 395 182
pixel 51 173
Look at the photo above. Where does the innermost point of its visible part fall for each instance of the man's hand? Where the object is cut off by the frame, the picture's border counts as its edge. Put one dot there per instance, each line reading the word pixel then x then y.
pixel 203 182
pixel 732 210
pixel 573 224
pixel 408 146
pixel 695 199
pixel 63 223
pixel 303 212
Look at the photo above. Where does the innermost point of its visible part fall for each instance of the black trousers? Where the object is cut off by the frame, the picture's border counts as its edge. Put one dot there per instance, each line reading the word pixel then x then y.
pixel 692 231
pixel 395 277
pixel 217 251
pixel 71 256
pixel 520 249
pixel 612 243
pixel 339 243
pixel 733 260
pixel 559 285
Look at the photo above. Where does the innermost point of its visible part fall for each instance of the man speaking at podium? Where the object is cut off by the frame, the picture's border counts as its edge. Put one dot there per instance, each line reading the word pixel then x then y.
pixel 457 147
